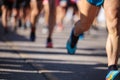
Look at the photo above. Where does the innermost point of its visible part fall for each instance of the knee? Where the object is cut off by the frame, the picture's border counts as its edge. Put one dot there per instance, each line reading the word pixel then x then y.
pixel 113 19
pixel 113 25
pixel 4 9
pixel 14 12
pixel 34 12
pixel 113 30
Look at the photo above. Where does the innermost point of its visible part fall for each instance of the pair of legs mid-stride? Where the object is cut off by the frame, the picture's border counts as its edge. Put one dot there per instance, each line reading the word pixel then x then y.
pixel 6 8
pixel 36 7
pixel 89 9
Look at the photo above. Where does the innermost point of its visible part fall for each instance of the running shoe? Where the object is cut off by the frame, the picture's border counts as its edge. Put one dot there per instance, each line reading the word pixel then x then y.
pixel 32 36
pixel 71 50
pixel 49 43
pixel 113 75
pixel 81 36
pixel 6 30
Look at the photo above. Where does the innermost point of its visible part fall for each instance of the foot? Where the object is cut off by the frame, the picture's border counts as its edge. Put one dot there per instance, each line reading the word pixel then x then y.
pixel 32 36
pixel 71 44
pixel 70 50
pixel 49 43
pixel 6 30
pixel 113 75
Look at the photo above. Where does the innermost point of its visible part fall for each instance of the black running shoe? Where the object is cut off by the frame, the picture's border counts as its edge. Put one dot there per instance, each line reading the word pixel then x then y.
pixel 32 36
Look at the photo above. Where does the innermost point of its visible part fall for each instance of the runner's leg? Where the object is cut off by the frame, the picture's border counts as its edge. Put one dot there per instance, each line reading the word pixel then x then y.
pixel 112 11
pixel 51 23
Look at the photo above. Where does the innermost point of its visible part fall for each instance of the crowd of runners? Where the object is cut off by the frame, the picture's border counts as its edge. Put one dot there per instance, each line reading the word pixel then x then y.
pixel 23 11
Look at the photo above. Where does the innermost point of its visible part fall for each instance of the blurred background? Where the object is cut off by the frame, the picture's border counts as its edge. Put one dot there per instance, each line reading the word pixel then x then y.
pixel 24 59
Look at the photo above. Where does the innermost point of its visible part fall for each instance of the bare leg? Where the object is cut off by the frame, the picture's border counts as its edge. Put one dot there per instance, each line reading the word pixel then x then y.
pixel 52 15
pixel 51 22
pixel 15 14
pixel 112 10
pixel 34 13
pixel 87 15
pixel 46 8
pixel 60 14
pixel 4 17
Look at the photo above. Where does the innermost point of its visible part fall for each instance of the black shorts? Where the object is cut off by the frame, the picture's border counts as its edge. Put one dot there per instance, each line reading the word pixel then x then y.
pixel 7 3
pixel 21 4
pixel 73 5
pixel 26 4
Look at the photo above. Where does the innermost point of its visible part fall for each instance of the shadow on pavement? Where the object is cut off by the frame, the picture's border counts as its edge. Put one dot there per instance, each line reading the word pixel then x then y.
pixel 11 36
pixel 99 54
pixel 67 70
pixel 17 69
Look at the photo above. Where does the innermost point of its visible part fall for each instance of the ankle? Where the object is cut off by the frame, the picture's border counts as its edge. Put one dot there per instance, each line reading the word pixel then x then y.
pixel 49 39
pixel 112 67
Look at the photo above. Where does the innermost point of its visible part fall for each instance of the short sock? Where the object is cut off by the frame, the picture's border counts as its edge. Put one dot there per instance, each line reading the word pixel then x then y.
pixel 112 67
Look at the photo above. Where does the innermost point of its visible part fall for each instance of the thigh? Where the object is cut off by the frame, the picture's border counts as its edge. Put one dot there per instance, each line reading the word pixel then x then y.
pixel 33 4
pixel 112 11
pixel 88 12
pixel 36 4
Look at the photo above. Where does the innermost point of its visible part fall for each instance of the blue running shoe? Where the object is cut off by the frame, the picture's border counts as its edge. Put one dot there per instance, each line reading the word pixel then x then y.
pixel 71 50
pixel 113 75
pixel 81 36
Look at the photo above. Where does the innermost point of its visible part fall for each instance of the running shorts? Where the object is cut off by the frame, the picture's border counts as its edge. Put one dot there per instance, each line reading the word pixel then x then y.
pixel 18 4
pixel 7 3
pixel 96 2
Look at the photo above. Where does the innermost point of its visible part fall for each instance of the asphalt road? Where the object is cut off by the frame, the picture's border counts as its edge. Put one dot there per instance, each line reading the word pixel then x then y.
pixel 21 59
